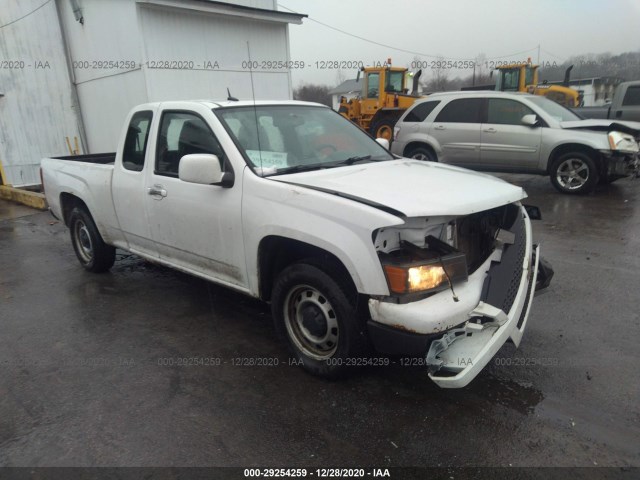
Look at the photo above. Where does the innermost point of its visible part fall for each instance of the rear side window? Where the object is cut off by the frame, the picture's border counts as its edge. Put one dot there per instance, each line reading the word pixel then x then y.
pixel 506 112
pixel 135 143
pixel 420 112
pixel 632 97
pixel 464 110
pixel 183 133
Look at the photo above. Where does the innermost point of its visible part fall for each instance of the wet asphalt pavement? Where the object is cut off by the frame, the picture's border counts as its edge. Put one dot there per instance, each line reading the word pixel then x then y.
pixel 90 368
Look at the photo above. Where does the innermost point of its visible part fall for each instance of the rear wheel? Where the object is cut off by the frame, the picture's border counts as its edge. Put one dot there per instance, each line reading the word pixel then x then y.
pixel 422 153
pixel 94 255
pixel 383 128
pixel 318 316
pixel 574 173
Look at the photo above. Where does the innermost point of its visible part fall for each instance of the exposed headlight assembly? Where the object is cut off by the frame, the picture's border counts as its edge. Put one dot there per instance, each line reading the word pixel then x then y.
pixel 423 270
pixel 622 142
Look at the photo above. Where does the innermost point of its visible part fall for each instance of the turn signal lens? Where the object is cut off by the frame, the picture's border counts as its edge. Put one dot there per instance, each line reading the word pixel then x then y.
pixel 397 278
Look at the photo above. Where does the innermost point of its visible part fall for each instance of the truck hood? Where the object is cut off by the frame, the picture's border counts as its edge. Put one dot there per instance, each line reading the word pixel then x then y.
pixel 632 128
pixel 411 188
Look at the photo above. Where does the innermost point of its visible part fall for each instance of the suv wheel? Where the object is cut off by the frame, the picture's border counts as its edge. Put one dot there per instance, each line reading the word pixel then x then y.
pixel 574 173
pixel 423 153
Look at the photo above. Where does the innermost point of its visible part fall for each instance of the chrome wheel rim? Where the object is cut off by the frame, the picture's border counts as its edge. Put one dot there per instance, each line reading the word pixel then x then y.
pixel 572 174
pixel 83 241
pixel 420 156
pixel 311 322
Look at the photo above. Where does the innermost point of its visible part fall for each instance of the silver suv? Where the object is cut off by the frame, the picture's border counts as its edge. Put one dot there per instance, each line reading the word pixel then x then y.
pixel 518 133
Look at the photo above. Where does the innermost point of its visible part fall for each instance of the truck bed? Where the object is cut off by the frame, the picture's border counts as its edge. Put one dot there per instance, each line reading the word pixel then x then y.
pixel 101 158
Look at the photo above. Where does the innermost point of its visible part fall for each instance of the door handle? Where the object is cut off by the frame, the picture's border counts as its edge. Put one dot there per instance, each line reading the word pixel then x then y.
pixel 490 130
pixel 439 127
pixel 619 114
pixel 157 190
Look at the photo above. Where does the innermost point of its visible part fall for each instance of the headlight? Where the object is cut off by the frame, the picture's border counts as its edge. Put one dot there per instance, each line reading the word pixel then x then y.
pixel 622 142
pixel 426 276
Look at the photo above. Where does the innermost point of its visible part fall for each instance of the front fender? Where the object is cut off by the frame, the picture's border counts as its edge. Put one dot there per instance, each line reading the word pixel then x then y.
pixel 340 226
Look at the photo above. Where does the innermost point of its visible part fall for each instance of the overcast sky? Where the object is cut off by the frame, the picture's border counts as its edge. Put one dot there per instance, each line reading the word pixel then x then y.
pixel 457 29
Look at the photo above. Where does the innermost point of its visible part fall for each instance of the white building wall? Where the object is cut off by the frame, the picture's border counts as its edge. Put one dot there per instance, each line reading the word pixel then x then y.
pixel 147 35
pixel 207 40
pixel 37 110
pixel 110 33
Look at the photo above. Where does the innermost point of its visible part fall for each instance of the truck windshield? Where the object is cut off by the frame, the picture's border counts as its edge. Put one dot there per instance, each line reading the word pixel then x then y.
pixel 557 111
pixel 278 139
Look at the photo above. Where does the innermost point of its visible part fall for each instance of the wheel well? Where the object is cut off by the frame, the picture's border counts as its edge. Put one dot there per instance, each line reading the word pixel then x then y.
pixel 385 115
pixel 412 145
pixel 573 147
pixel 276 253
pixel 68 202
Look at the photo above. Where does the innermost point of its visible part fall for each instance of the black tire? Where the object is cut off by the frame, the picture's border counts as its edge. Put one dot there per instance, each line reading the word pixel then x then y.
pixel 317 313
pixel 383 128
pixel 422 153
pixel 574 173
pixel 94 255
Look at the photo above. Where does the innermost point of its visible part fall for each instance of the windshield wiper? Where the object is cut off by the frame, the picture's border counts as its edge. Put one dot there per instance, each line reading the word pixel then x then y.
pixel 299 168
pixel 352 160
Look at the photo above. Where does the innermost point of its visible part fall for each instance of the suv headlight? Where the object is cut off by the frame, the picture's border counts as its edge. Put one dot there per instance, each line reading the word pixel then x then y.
pixel 622 142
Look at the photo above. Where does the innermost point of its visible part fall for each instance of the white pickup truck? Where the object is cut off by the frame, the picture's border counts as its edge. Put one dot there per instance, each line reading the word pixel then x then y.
pixel 355 249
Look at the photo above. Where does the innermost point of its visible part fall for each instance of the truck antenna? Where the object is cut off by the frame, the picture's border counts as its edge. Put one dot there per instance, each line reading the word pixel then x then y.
pixel 255 111
pixel 229 97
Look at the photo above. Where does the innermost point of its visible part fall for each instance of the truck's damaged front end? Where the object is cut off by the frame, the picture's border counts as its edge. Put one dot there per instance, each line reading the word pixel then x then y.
pixel 460 287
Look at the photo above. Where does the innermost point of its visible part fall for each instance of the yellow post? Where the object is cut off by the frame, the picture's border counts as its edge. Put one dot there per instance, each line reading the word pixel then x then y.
pixel 3 175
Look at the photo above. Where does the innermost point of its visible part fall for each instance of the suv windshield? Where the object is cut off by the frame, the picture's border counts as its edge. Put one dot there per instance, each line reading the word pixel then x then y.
pixel 557 111
pixel 277 139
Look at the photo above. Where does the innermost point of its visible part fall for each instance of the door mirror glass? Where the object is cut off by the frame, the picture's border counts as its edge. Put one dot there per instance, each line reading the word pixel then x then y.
pixel 200 168
pixel 530 120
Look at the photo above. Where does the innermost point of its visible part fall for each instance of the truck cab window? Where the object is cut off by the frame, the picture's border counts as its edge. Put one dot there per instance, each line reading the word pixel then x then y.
pixel 632 97
pixel 135 143
pixel 183 134
pixel 394 82
pixel 373 85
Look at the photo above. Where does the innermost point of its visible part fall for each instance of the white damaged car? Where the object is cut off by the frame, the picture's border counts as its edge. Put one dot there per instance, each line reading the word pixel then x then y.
pixel 355 249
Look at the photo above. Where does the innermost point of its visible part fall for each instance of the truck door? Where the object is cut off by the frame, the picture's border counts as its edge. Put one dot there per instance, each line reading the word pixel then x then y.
pixel 197 227
pixel 630 108
pixel 457 130
pixel 129 183
pixel 507 144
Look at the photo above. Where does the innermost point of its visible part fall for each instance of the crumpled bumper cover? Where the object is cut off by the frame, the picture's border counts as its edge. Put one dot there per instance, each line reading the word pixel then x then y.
pixel 494 306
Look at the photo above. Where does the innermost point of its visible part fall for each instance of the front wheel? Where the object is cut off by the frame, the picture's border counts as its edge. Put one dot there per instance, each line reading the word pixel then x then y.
pixel 94 255
pixel 313 310
pixel 574 173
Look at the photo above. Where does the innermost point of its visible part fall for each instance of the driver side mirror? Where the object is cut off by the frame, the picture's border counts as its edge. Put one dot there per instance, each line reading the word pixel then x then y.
pixel 530 120
pixel 384 142
pixel 204 169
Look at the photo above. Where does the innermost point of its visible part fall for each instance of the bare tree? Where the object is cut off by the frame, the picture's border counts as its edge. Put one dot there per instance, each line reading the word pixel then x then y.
pixel 313 93
pixel 439 81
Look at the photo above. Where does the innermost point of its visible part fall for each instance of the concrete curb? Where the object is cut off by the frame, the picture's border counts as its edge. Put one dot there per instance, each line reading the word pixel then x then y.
pixel 25 197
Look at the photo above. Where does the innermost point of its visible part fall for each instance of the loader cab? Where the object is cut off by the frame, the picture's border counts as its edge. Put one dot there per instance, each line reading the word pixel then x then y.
pixel 516 77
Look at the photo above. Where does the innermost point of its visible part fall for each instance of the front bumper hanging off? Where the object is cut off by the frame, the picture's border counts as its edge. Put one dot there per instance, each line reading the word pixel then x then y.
pixel 496 301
